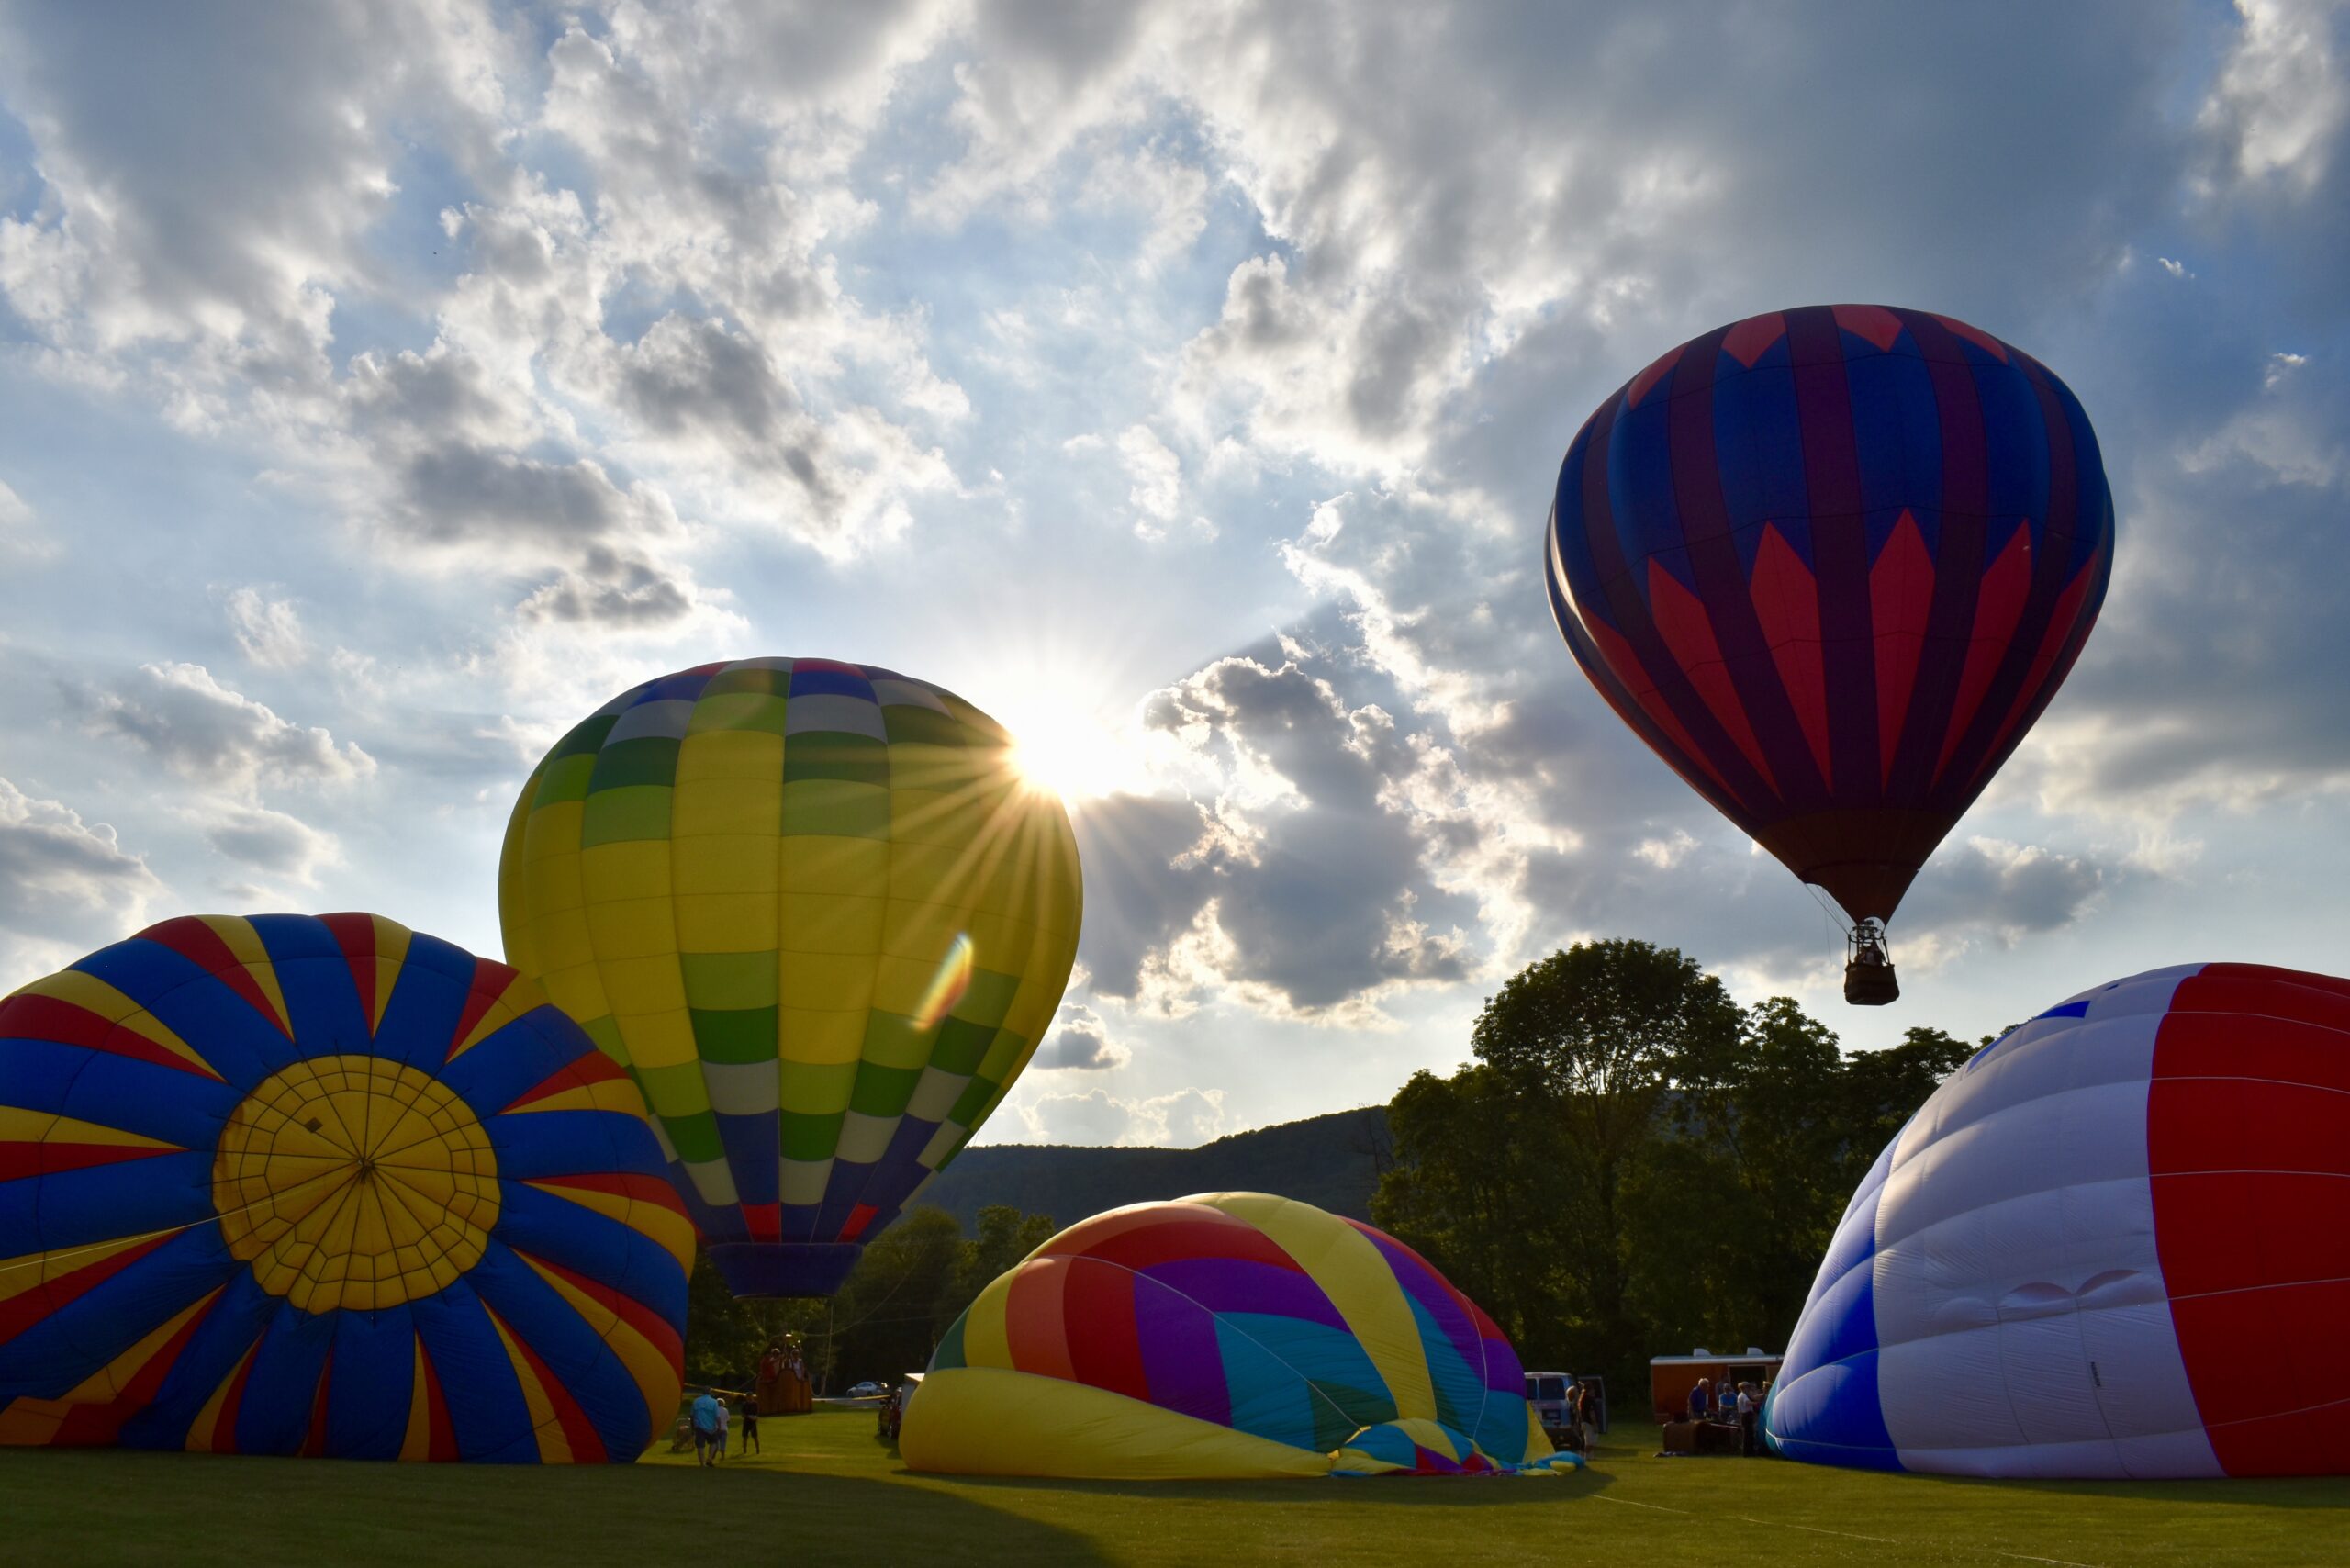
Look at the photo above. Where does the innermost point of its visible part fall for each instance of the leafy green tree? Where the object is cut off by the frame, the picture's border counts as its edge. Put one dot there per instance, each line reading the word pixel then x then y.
pixel 1006 1236
pixel 725 1338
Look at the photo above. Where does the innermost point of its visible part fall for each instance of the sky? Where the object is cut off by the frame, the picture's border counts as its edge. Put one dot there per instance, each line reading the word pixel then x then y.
pixel 384 387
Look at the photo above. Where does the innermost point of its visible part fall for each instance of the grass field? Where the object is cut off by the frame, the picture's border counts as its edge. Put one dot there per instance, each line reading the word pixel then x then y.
pixel 826 1492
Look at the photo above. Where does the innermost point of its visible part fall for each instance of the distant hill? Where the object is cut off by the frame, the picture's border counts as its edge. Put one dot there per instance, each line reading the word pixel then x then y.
pixel 1332 1163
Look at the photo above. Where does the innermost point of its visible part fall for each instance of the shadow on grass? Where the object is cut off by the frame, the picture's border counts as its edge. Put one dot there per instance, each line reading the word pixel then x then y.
pixel 105 1507
pixel 1404 1491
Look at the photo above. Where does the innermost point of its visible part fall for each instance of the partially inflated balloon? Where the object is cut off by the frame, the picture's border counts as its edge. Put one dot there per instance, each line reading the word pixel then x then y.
pixel 2116 1244
pixel 821 917
pixel 326 1186
pixel 1230 1335
pixel 1832 564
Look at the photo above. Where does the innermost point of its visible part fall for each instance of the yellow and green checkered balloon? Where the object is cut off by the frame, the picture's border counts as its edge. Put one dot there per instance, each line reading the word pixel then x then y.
pixel 817 912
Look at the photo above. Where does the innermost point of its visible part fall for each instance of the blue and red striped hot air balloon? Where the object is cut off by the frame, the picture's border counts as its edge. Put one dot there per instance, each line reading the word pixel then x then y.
pixel 287 1185
pixel 1832 564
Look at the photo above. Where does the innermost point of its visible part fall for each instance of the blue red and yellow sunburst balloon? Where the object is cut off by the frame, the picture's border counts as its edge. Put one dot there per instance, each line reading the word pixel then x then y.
pixel 296 1186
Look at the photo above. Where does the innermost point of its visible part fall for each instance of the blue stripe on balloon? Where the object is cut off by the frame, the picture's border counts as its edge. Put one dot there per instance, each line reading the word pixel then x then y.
pixel 551 1143
pixel 322 1004
pixel 76 1339
pixel 228 1330
pixel 555 1230
pixel 1269 1399
pixel 1566 515
pixel 1898 438
pixel 371 1382
pixel 273 1416
pixel 1831 1415
pixel 1758 453
pixel 142 1097
pixel 188 999
pixel 420 1016
pixel 105 1203
pixel 753 1147
pixel 2015 440
pixel 1639 489
pixel 574 1355
pixel 486 1410
pixel 513 1060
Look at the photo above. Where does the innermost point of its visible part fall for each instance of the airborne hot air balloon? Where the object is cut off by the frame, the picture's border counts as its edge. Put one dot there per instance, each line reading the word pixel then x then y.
pixel 2115 1244
pixel 817 912
pixel 286 1185
pixel 1832 564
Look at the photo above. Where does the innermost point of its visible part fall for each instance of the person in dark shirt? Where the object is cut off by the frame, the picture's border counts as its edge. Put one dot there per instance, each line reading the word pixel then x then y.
pixel 749 1442
pixel 1701 1400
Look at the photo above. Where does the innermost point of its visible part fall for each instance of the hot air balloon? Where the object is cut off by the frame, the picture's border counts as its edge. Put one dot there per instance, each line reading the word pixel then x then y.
pixel 286 1185
pixel 821 917
pixel 2115 1244
pixel 1832 564
pixel 1227 1336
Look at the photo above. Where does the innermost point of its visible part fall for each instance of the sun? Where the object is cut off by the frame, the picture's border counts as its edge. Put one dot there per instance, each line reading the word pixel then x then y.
pixel 1064 752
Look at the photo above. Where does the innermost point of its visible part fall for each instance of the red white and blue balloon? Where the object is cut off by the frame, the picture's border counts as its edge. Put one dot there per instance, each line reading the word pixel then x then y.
pixel 2116 1243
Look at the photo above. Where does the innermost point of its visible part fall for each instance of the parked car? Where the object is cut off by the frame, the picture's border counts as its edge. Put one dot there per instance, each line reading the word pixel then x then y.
pixel 867 1390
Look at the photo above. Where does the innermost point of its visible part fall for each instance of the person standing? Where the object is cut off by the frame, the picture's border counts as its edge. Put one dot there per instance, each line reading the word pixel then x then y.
pixel 1746 1412
pixel 1589 1419
pixel 707 1431
pixel 1701 1400
pixel 749 1442
pixel 724 1418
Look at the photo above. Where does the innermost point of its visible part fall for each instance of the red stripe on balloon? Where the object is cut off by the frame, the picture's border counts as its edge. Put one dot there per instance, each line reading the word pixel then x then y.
pixel 2036 679
pixel 1901 603
pixel 1170 1240
pixel 2251 1208
pixel 441 1441
pixel 589 1067
pixel 640 1188
pixel 30 1016
pixel 1998 605
pixel 355 935
pixel 1035 1318
pixel 763 1222
pixel 1108 1355
pixel 28 1307
pixel 19 1160
pixel 1647 379
pixel 196 942
pixel 1786 604
pixel 1682 620
pixel 1748 341
pixel 97 1426
pixel 1880 326
pixel 587 1446
pixel 1625 665
pixel 314 1441
pixel 651 1325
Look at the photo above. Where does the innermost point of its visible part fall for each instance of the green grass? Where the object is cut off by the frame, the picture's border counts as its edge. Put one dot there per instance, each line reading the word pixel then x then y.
pixel 826 1492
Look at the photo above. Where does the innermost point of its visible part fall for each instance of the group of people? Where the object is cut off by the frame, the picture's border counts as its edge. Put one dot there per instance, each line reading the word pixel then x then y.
pixel 784 1387
pixel 711 1422
pixel 1722 1400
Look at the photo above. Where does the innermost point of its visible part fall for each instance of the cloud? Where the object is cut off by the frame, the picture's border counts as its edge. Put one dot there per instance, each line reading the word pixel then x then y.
pixel 1080 1044
pixel 1097 1118
pixel 64 885
pixel 21 538
pixel 2279 102
pixel 270 842
pixel 182 718
pixel 268 630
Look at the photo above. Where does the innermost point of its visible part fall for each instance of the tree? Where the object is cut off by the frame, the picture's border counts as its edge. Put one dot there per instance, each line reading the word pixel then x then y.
pixel 1006 1236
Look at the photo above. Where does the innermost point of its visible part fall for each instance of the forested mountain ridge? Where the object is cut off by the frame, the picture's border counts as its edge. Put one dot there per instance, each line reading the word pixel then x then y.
pixel 1332 1161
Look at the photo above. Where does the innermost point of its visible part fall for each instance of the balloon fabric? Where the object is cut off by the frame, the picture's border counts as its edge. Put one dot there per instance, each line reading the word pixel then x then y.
pixel 822 918
pixel 1832 564
pixel 326 1186
pixel 2115 1244
pixel 1224 1335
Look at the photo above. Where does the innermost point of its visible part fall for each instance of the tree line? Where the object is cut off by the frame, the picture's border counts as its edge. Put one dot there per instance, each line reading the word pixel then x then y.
pixel 1634 1165
pixel 1631 1165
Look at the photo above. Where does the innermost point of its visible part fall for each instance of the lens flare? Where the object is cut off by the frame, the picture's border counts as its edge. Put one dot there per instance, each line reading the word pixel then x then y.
pixel 948 986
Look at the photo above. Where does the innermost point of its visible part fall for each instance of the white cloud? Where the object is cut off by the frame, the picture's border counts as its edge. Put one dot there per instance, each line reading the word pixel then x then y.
pixel 2279 101
pixel 65 885
pixel 200 729
pixel 1081 1042
pixel 1096 1118
pixel 268 630
pixel 21 537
